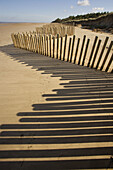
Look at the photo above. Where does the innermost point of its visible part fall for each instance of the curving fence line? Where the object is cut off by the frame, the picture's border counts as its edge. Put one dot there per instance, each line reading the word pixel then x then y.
pixel 97 54
pixel 55 29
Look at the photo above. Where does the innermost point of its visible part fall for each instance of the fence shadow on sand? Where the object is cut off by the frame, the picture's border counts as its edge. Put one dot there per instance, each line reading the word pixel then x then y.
pixel 73 130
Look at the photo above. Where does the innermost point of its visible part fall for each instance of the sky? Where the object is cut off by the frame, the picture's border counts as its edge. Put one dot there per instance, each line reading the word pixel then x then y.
pixel 49 10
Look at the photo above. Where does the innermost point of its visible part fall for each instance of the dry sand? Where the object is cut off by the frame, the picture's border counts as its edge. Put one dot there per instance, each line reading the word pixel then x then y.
pixel 20 87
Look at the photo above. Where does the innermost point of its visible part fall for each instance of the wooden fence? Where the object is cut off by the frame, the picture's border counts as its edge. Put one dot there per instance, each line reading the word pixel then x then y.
pixel 97 54
pixel 55 29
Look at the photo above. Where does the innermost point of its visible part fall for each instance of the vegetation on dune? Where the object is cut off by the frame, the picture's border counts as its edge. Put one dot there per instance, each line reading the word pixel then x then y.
pixel 81 17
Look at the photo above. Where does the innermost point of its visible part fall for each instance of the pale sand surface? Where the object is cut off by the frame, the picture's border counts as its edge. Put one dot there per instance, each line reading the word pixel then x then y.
pixel 21 86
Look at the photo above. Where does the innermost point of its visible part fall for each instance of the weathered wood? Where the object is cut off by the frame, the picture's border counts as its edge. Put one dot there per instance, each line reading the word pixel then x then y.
pixel 92 51
pixel 73 43
pixel 57 45
pixel 83 61
pixel 65 44
pixel 13 40
pixel 47 46
pixel 69 49
pixel 53 47
pixel 109 49
pixel 38 44
pixel 76 52
pixel 35 42
pixel 22 45
pixel 30 42
pixel 50 44
pixel 109 63
pixel 24 40
pixel 61 47
pixel 82 49
pixel 101 54
pixel 96 52
pixel 17 41
pixel 42 50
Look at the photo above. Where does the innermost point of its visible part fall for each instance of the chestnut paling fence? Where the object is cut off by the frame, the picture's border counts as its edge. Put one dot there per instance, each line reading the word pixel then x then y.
pixel 96 54
pixel 55 29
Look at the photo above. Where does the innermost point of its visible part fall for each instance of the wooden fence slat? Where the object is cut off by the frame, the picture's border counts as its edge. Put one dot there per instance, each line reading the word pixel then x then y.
pixel 43 44
pixel 34 47
pixel 101 54
pixel 17 40
pixel 61 47
pixel 76 52
pixel 57 45
pixel 27 41
pixel 109 49
pixel 38 44
pixel 42 52
pixel 92 51
pixel 109 63
pixel 14 40
pixel 21 38
pixel 35 42
pixel 65 47
pixel 81 50
pixel 30 42
pixel 53 47
pixel 96 52
pixel 69 49
pixel 47 46
pixel 73 43
pixel 24 41
pixel 83 61
pixel 12 37
pixel 50 44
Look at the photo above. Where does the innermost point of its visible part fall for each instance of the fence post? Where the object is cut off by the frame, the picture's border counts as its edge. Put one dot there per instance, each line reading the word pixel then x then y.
pixel 47 45
pixel 17 40
pixel 94 58
pixel 53 47
pixel 50 44
pixel 73 43
pixel 76 52
pixel 65 47
pixel 101 54
pixel 35 43
pixel 61 47
pixel 110 46
pixel 40 44
pixel 57 45
pixel 109 63
pixel 83 61
pixel 94 44
pixel 12 36
pixel 69 49
pixel 82 49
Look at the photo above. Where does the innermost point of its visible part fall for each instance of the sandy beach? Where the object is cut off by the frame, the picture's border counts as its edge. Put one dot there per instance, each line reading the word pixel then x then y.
pixel 20 86
pixel 73 104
